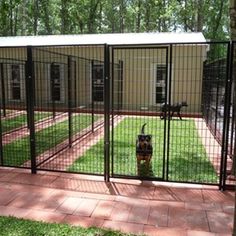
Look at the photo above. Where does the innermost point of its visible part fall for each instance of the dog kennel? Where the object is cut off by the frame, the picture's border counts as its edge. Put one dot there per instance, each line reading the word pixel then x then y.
pixel 76 103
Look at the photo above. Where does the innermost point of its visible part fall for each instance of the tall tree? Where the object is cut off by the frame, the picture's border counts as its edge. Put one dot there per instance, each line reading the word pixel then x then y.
pixel 64 16
pixel 35 10
pixel 29 17
pixel 92 9
pixel 46 13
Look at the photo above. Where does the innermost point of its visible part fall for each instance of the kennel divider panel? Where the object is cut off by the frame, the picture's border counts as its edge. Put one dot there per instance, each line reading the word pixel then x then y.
pixel 15 149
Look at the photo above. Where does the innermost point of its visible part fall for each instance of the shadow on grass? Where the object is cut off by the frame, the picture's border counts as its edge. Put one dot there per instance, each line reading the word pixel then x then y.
pixel 188 161
pixel 146 170
pixel 191 166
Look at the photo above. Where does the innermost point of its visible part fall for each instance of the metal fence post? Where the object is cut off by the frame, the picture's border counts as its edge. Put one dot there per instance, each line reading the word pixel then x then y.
pixel 106 113
pixel 3 90
pixel 69 102
pixel 2 107
pixel 120 85
pixel 92 89
pixel 1 147
pixel 168 100
pixel 227 99
pixel 31 94
pixel 52 83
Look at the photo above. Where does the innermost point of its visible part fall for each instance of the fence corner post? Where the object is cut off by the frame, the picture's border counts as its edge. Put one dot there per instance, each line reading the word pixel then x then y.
pixel 1 146
pixel 30 95
pixel 106 114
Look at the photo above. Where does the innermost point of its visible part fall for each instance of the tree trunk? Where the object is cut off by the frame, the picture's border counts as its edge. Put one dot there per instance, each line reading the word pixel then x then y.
pixel 92 16
pixel 46 17
pixel 138 23
pixel 36 16
pixel 11 18
pixel 199 16
pixel 64 17
pixel 122 16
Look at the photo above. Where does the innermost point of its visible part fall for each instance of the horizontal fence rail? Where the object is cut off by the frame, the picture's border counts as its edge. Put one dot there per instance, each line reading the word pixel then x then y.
pixel 81 109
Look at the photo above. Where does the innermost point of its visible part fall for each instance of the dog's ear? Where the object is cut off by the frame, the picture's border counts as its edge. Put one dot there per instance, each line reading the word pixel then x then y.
pixel 140 137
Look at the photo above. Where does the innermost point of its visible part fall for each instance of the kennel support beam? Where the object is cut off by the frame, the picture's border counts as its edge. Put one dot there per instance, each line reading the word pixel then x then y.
pixel 53 91
pixel 167 121
pixel 69 102
pixel 106 114
pixel 3 90
pixel 1 146
pixel 31 90
pixel 92 89
pixel 3 108
pixel 225 144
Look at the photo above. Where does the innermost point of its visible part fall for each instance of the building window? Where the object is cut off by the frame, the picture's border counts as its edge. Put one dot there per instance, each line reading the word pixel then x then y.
pixel 160 83
pixel 15 82
pixel 97 82
pixel 56 82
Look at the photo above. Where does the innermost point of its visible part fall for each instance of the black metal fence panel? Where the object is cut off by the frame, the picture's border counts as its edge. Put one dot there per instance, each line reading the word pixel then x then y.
pixel 160 112
pixel 162 87
pixel 14 142
pixel 193 153
pixel 217 105
pixel 72 86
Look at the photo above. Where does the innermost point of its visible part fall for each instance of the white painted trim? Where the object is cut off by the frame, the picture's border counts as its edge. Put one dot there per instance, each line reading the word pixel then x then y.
pixel 153 82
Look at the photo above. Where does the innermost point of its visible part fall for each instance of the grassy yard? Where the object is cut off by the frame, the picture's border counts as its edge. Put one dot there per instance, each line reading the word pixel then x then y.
pixel 18 151
pixel 21 120
pixel 19 227
pixel 187 160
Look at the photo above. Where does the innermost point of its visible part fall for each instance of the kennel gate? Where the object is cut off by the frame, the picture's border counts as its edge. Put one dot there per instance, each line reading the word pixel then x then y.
pixel 184 151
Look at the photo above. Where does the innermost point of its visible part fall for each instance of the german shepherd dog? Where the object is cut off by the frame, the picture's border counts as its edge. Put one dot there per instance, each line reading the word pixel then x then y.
pixel 143 149
pixel 176 107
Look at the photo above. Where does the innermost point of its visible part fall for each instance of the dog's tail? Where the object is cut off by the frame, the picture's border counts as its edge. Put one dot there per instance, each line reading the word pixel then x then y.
pixel 142 130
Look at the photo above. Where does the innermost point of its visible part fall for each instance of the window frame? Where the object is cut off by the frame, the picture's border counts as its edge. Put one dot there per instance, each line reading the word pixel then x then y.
pixel 62 82
pixel 21 82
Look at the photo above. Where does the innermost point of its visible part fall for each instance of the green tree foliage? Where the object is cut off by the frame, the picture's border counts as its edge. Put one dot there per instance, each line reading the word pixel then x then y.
pixel 33 17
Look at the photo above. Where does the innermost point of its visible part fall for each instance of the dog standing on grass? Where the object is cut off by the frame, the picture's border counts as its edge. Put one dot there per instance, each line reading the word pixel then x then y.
pixel 176 107
pixel 143 149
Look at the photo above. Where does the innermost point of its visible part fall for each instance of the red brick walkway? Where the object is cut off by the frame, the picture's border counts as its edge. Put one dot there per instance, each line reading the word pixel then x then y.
pixel 130 206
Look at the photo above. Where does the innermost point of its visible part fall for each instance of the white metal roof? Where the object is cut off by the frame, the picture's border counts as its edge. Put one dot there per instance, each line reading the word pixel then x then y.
pixel 111 39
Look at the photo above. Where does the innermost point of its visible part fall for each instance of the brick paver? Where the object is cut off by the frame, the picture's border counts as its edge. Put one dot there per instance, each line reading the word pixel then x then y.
pixel 130 206
pixel 86 207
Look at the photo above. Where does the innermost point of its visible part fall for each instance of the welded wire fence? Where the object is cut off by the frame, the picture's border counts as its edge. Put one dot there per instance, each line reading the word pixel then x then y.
pixel 217 105
pixel 81 108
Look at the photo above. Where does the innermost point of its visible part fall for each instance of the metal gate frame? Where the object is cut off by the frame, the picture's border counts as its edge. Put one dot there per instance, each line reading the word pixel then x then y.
pixel 108 144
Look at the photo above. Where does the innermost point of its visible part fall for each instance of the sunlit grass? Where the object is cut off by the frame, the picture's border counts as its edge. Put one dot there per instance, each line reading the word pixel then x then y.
pixel 21 120
pixel 187 159
pixel 18 151
pixel 20 227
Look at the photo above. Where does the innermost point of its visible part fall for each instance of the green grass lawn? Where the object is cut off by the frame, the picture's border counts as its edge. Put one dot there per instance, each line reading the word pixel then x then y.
pixel 11 226
pixel 21 120
pixel 18 151
pixel 187 160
